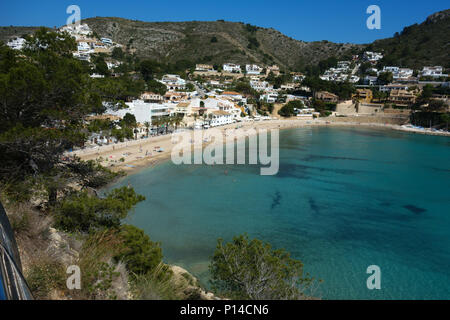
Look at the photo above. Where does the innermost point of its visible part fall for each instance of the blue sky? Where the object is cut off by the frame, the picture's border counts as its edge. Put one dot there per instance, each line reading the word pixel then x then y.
pixel 333 20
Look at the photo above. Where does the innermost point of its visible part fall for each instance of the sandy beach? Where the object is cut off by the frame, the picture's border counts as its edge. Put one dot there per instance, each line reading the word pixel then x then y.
pixel 132 156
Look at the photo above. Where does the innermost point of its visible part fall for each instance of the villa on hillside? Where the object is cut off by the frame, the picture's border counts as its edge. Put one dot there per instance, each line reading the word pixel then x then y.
pixel 390 87
pixel 16 44
pixel 326 96
pixel 253 69
pixel 173 82
pixel 274 69
pixel 435 72
pixel 232 94
pixel 269 97
pixel 259 85
pixel 231 67
pixel 152 97
pixel 372 57
pixel 175 96
pixel 143 111
pixel 204 68
pixel 401 97
pixel 363 95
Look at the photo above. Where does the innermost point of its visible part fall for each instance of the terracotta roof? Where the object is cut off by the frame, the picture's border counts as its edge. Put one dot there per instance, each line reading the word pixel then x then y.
pixel 231 93
pixel 220 113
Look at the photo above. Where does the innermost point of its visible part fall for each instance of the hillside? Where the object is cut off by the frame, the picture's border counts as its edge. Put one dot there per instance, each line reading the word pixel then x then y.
pixel 214 42
pixel 6 33
pixel 419 45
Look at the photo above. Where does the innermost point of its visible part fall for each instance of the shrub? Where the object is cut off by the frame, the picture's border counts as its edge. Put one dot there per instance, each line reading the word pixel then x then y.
pixel 95 262
pixel 83 212
pixel 288 109
pixel 251 269
pixel 139 253
pixel 158 284
pixel 45 276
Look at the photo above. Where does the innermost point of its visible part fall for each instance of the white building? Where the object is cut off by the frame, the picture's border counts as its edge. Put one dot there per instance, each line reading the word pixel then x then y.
pixel 259 85
pixel 390 87
pixel 106 41
pixel 144 111
pixel 78 31
pixel 370 80
pixel 391 69
pixel 97 76
pixel 204 68
pixel 152 97
pixel 307 113
pixel 372 56
pixel 269 97
pixel 83 47
pixel 16 44
pixel 253 69
pixel 398 73
pixel 220 118
pixel 435 72
pixel 231 67
pixel 174 82
pixel 233 95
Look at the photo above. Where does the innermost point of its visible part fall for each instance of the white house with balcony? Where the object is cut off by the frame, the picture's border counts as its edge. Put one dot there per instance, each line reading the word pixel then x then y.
pixel 372 56
pixel 220 118
pixel 16 44
pixel 144 111
pixel 253 69
pixel 231 67
pixel 107 41
pixel 259 85
pixel 173 82
pixel 83 47
pixel 76 30
pixel 269 97
pixel 435 72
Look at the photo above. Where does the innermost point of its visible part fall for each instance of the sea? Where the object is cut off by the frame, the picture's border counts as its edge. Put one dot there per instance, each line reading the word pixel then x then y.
pixel 344 199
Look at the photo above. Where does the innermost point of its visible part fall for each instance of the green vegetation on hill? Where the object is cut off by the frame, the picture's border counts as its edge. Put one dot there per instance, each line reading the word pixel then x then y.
pixel 418 45
pixel 6 33
pixel 215 42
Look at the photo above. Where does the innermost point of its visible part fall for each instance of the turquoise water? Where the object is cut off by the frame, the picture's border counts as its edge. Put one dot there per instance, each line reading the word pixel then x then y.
pixel 344 199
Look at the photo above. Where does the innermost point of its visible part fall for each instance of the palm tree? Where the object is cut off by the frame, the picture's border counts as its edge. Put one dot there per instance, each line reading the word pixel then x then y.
pixel 157 123
pixel 176 121
pixel 205 116
pixel 166 120
pixel 445 117
pixel 210 116
pixel 147 126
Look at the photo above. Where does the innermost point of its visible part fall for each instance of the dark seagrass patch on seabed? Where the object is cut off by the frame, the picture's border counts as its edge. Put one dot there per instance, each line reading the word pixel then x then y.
pixel 414 209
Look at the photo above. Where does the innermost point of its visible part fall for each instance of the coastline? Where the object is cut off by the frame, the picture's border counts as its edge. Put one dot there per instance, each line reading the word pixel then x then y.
pixel 134 156
pixel 164 142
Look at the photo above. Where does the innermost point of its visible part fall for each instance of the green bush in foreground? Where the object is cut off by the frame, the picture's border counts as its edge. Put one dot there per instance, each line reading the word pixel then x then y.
pixel 82 212
pixel 139 253
pixel 251 269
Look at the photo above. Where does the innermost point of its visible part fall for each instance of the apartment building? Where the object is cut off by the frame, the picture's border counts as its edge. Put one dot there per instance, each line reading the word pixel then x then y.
pixel 231 67
pixel 401 97
pixel 326 96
